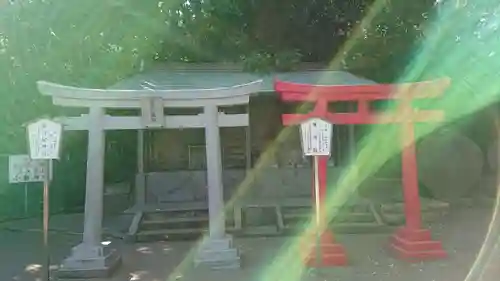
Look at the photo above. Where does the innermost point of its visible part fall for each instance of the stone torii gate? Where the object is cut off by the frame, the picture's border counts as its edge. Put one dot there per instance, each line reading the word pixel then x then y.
pixel 411 241
pixel 93 259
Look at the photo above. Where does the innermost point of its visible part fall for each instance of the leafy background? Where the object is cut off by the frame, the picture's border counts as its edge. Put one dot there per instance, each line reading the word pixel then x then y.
pixel 96 43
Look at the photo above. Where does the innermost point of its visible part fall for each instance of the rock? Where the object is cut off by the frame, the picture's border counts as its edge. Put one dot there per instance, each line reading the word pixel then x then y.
pixel 449 164
pixel 492 155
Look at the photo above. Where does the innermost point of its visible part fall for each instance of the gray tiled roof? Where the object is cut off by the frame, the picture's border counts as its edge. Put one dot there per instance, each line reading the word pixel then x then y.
pixel 201 79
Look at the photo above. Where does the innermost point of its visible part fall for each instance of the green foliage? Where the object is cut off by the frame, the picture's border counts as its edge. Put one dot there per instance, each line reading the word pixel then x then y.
pixel 277 34
pixel 95 43
pixel 91 43
pixel 387 37
pixel 85 43
pixel 265 62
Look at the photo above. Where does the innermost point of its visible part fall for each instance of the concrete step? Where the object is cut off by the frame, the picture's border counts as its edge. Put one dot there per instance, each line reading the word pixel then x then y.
pixel 348 228
pixel 165 207
pixel 264 230
pixel 351 217
pixel 426 205
pixel 399 218
pixel 173 233
pixel 178 219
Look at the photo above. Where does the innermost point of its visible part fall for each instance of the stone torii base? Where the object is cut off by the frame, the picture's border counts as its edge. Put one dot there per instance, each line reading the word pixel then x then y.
pixel 88 261
pixel 331 253
pixel 218 253
pixel 92 258
pixel 416 245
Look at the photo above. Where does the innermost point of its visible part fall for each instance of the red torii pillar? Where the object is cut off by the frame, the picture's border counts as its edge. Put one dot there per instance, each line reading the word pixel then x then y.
pixel 411 242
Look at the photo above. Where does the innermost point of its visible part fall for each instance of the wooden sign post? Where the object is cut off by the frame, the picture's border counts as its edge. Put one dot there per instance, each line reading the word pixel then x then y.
pixel 24 170
pixel 44 138
pixel 316 138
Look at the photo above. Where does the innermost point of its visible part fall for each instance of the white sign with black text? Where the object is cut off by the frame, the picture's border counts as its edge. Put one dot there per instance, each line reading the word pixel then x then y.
pixel 152 113
pixel 44 137
pixel 23 169
pixel 316 137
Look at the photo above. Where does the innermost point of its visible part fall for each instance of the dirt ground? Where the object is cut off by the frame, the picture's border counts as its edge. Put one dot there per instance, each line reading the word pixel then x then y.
pixel 462 232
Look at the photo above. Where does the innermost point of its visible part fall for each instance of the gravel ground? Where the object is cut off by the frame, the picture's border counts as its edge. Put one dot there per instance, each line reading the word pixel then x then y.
pixel 462 232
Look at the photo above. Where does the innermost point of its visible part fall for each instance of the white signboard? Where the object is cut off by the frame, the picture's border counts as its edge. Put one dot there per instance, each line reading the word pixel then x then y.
pixel 22 169
pixel 316 137
pixel 44 137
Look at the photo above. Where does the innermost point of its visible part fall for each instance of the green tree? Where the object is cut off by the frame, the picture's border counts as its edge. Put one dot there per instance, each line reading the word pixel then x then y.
pixel 95 43
pixel 88 43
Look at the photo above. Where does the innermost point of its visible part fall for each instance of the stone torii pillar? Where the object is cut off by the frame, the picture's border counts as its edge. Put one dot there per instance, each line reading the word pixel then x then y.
pixel 216 250
pixel 93 258
pixel 214 173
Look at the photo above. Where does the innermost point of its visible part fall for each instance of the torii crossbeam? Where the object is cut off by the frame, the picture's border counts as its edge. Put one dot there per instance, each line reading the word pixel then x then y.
pixel 410 242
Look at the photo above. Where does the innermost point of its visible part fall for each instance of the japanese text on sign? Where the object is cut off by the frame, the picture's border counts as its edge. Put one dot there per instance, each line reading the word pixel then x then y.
pixel 23 169
pixel 316 135
pixel 152 113
pixel 44 139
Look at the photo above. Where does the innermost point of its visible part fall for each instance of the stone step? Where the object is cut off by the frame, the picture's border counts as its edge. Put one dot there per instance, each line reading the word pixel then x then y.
pixel 426 205
pixel 220 265
pixel 172 220
pixel 263 230
pixel 419 255
pixel 171 231
pixel 355 217
pixel 165 207
pixel 416 246
pixel 399 218
pixel 327 260
pixel 349 228
pixel 216 256
pixel 165 233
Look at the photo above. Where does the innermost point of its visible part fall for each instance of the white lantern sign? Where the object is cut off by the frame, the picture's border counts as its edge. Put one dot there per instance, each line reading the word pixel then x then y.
pixel 44 137
pixel 316 137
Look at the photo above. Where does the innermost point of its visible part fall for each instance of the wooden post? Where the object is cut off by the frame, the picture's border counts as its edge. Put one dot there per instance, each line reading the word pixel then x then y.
pixel 46 210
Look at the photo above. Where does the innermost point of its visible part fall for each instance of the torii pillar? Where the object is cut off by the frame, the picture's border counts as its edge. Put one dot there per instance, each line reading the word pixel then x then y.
pixel 412 241
pixel 96 258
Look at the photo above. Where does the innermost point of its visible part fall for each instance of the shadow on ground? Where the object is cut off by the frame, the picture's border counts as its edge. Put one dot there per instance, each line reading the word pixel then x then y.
pixel 462 233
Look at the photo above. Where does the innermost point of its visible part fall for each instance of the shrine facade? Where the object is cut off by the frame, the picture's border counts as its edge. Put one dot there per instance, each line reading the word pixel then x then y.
pixel 209 144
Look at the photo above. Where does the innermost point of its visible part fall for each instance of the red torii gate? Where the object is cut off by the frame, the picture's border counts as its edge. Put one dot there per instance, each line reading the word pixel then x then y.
pixel 411 241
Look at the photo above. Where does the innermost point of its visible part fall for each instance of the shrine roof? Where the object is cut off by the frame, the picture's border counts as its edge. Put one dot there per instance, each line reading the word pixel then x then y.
pixel 176 79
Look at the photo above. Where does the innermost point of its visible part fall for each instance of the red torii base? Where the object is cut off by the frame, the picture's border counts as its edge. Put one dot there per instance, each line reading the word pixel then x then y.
pixel 332 253
pixel 411 242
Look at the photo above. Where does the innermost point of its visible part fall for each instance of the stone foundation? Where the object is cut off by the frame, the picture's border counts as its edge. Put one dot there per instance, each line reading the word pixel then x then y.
pixel 89 262
pixel 218 254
